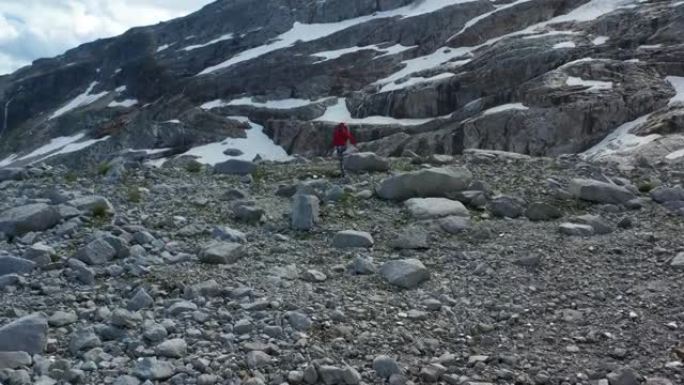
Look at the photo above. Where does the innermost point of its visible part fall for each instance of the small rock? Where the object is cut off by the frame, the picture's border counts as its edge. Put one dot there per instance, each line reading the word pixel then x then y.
pixel 222 253
pixel 406 273
pixel 350 238
pixel 385 366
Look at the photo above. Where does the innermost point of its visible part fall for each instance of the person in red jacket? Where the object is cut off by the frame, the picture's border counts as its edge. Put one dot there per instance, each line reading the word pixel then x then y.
pixel 342 136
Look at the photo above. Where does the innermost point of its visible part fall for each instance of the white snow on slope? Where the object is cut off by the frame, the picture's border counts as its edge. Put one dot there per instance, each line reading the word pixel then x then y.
pixel 61 145
pixel 120 89
pixel 675 155
pixel 81 100
pixel 225 37
pixel 477 19
pixel 309 32
pixel 339 112
pixel 593 85
pixel 588 11
pixel 282 104
pixel 678 84
pixel 416 80
pixel 124 103
pixel 600 40
pixel 213 104
pixel 620 140
pixel 565 44
pixel 163 47
pixel 505 107
pixel 256 143
pixel 335 54
pixel 7 161
pixel 650 46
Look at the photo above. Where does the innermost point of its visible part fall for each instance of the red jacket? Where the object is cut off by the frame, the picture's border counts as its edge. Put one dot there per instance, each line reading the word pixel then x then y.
pixel 342 135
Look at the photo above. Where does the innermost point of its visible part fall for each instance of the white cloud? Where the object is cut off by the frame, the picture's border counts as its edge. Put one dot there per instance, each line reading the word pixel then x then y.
pixel 30 29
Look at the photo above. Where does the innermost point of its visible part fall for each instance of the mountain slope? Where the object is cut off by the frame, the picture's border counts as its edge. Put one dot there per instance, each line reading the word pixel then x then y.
pixel 541 77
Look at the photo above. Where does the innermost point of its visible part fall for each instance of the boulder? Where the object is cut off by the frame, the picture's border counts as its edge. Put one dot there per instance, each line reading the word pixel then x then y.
pixel 14 360
pixel 228 234
pixel 305 211
pixel 14 265
pixel 453 224
pixel 576 229
pixel 600 192
pixel 235 167
pixel 39 254
pixel 149 368
pixel 351 238
pixel 385 366
pixel 664 194
pixel 23 219
pixel 27 334
pixel 221 253
pixel 428 208
pixel 91 204
pixel 410 239
pixel 365 162
pixel 541 211
pixel 405 273
pixel 433 182
pixel 600 225
pixel 97 252
pixel 505 206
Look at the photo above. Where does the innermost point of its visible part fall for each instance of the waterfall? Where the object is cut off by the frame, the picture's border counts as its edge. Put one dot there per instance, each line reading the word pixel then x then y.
pixel 4 124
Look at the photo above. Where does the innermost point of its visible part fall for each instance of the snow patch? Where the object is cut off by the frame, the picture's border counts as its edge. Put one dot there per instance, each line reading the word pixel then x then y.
pixel 61 145
pixel 163 47
pixel 415 80
pixel 81 100
pixel 7 161
pixel 120 89
pixel 505 107
pixel 340 113
pixel 124 103
pixel 678 84
pixel 477 19
pixel 283 104
pixel 565 44
pixel 228 36
pixel 335 54
pixel 213 104
pixel 256 143
pixel 600 40
pixel 309 32
pixel 675 155
pixel 620 140
pixel 593 85
pixel 650 46
pixel 173 121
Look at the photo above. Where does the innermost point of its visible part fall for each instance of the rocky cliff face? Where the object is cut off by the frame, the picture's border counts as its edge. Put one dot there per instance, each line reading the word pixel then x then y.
pixel 540 77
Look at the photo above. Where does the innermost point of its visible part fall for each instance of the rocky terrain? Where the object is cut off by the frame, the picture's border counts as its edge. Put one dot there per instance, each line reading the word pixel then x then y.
pixel 541 77
pixel 418 270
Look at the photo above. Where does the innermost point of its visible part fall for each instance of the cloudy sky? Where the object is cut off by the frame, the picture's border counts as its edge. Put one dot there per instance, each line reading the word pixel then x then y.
pixel 31 29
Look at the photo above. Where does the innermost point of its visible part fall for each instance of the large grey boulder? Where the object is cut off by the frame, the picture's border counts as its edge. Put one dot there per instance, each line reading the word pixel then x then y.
pixel 305 211
pixel 600 192
pixel 40 254
pixel 541 211
pixel 665 194
pixel 23 219
pixel 235 167
pixel 14 265
pixel 221 253
pixel 27 334
pixel 14 360
pixel 97 252
pixel 405 273
pixel 427 208
pixel 433 182
pixel 351 238
pixel 149 368
pixel 365 162
pixel 91 204
pixel 504 206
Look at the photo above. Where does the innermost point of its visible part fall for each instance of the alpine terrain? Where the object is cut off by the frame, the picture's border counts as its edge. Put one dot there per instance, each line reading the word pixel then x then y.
pixel 171 212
